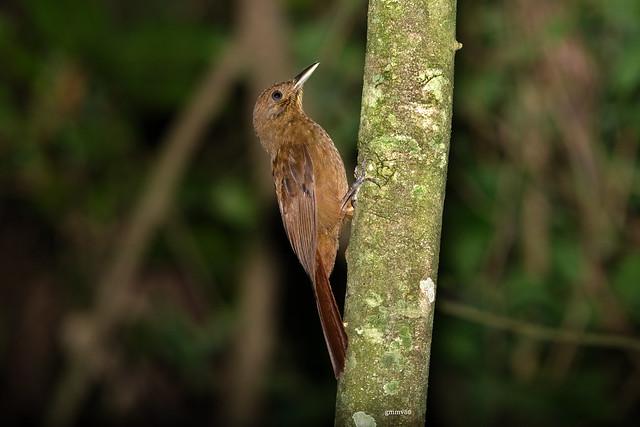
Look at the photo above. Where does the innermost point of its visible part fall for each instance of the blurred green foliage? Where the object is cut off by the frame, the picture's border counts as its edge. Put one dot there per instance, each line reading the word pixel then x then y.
pixel 541 217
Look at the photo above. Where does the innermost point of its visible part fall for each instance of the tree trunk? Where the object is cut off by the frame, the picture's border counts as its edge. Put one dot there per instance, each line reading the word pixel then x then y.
pixel 393 253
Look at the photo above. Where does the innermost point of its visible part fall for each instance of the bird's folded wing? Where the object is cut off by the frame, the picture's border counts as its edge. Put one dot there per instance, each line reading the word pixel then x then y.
pixel 295 187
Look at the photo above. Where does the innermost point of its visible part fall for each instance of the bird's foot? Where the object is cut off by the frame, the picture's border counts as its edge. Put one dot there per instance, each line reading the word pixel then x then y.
pixel 349 200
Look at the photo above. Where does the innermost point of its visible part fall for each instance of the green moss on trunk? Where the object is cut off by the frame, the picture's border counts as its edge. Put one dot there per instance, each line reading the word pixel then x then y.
pixel 393 253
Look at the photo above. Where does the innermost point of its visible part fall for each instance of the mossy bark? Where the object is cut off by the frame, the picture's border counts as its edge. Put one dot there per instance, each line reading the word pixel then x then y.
pixel 393 253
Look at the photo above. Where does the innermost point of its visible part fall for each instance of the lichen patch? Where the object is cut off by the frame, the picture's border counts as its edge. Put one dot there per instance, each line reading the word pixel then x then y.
pixel 362 419
pixel 373 300
pixel 391 387
pixel 436 87
pixel 428 290
pixel 371 334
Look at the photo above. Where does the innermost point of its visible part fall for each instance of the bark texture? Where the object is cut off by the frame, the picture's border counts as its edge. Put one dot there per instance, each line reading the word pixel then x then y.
pixel 393 252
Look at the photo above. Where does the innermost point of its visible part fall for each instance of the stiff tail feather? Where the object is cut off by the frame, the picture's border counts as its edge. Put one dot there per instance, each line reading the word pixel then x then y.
pixel 332 327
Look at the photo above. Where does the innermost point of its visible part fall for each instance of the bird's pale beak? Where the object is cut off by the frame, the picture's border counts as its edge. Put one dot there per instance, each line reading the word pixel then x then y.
pixel 304 75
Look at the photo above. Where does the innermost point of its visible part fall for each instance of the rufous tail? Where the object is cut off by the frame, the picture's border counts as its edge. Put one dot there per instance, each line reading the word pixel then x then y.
pixel 332 327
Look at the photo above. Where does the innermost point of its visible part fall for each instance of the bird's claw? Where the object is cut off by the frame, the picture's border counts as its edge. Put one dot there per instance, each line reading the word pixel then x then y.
pixel 361 176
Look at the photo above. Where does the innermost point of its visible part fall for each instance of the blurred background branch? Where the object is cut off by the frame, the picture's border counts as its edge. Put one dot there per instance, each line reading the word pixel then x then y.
pixel 113 300
pixel 537 332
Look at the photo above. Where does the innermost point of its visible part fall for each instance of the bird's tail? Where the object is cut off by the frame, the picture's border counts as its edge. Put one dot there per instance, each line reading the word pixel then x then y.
pixel 332 327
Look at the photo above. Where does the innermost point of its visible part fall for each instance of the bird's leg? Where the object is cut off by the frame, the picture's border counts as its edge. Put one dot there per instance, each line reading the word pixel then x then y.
pixel 352 193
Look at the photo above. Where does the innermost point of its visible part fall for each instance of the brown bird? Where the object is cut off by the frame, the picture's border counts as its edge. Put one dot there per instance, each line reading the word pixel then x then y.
pixel 311 183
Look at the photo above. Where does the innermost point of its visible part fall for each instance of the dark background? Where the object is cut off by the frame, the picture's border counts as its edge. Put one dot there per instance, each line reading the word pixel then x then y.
pixel 180 303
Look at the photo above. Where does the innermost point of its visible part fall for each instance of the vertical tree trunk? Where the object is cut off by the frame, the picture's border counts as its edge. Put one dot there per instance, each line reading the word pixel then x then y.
pixel 393 253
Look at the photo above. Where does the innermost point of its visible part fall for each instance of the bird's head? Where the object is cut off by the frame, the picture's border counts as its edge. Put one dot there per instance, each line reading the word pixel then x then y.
pixel 275 104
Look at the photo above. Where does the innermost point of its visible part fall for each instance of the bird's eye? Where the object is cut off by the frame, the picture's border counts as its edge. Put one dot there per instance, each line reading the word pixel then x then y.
pixel 276 95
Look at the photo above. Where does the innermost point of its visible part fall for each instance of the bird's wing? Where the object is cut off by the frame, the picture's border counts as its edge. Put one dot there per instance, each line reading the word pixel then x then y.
pixel 295 188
